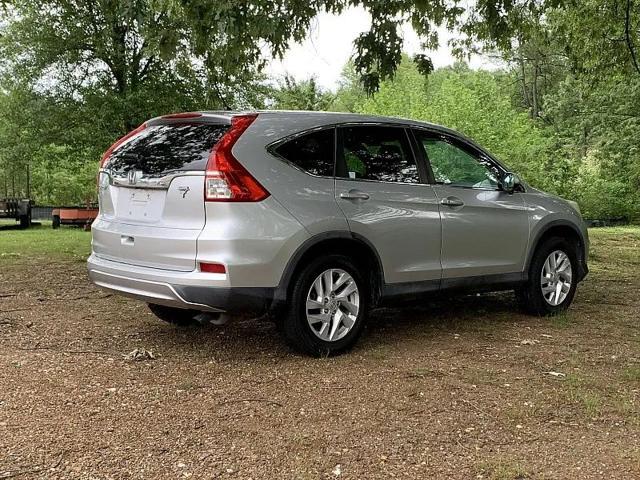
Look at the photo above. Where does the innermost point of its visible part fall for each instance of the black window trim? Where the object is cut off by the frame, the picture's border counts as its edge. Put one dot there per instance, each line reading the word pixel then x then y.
pixel 272 149
pixel 425 172
pixel 423 175
pixel 464 145
pixel 420 156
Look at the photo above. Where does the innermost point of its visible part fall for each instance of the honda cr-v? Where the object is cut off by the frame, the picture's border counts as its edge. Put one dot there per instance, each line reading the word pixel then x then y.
pixel 320 217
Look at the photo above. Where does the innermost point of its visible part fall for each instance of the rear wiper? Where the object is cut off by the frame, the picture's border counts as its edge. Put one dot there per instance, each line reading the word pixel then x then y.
pixel 125 155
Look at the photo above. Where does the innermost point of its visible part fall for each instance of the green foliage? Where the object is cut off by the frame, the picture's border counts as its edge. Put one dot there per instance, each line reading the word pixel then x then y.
pixel 63 179
pixel 595 128
pixel 305 95
pixel 468 101
pixel 598 37
pixel 564 113
pixel 230 36
pixel 79 74
pixel 350 92
pixel 577 75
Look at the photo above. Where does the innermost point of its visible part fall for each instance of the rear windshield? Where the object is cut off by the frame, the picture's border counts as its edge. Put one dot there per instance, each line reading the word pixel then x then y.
pixel 161 149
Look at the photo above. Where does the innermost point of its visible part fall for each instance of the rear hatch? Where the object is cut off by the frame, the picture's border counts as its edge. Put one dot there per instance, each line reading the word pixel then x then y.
pixel 151 194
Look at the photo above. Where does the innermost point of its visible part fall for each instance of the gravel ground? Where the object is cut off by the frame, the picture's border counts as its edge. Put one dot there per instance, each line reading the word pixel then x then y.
pixel 455 388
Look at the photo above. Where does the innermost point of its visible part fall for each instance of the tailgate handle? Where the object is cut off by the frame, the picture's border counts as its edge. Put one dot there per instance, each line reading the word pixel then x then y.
pixel 126 240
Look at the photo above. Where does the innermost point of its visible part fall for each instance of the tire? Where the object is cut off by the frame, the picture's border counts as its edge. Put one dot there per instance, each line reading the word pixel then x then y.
pixel 25 220
pixel 175 316
pixel 531 296
pixel 55 222
pixel 315 338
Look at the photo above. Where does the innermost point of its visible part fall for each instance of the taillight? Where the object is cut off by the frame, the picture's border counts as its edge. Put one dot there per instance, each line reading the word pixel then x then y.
pixel 226 179
pixel 119 142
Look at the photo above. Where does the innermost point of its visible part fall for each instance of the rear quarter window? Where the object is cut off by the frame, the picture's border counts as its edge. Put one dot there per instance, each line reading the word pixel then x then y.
pixel 312 152
pixel 161 149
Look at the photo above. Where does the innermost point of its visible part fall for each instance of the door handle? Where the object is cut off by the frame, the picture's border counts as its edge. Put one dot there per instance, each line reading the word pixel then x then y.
pixel 354 195
pixel 452 202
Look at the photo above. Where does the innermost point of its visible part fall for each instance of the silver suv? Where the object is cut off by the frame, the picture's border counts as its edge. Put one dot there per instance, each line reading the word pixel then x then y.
pixel 318 217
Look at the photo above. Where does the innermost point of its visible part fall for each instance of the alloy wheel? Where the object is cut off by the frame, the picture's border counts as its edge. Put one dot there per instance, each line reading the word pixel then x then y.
pixel 332 304
pixel 555 278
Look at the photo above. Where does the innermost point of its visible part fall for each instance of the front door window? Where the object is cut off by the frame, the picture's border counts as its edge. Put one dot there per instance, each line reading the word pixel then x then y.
pixel 456 167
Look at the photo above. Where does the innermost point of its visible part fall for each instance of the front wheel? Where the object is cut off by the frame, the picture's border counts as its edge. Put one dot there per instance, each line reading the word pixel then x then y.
pixel 552 278
pixel 327 308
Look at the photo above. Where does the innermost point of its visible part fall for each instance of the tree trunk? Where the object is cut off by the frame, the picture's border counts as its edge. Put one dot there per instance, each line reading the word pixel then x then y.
pixel 534 93
pixel 523 79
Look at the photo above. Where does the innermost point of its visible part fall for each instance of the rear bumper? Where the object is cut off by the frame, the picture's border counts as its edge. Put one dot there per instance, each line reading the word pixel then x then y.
pixel 188 290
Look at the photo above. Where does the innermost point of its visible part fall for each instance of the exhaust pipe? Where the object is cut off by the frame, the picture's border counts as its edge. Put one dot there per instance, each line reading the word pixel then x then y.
pixel 204 318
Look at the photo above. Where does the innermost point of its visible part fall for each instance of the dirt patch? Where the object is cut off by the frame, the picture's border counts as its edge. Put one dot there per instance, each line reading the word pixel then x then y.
pixel 455 388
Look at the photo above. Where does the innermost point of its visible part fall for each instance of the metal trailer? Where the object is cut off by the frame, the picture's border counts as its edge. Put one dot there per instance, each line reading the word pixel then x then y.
pixel 81 217
pixel 18 209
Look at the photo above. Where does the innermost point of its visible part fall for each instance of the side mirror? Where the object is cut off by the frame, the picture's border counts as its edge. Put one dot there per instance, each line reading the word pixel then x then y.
pixel 510 182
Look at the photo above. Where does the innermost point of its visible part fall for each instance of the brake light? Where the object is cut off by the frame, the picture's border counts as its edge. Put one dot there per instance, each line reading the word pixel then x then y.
pixel 183 115
pixel 119 142
pixel 226 179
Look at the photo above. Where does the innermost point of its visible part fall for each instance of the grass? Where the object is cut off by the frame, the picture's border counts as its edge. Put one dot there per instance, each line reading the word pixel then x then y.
pixel 521 412
pixel 380 352
pixel 586 393
pixel 562 320
pixel 502 469
pixel 632 373
pixel 624 241
pixel 42 242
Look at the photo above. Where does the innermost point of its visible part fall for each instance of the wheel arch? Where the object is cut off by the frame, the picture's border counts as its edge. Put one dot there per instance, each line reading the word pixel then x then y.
pixel 343 242
pixel 562 229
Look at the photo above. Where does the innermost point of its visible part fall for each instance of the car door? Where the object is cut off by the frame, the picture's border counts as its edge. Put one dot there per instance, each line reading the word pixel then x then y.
pixel 485 231
pixel 384 194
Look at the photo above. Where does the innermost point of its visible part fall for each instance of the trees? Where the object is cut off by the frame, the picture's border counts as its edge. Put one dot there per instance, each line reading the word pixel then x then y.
pixel 301 95
pixel 472 102
pixel 595 129
pixel 135 54
pixel 126 42
pixel 587 96
pixel 80 73
pixel 76 74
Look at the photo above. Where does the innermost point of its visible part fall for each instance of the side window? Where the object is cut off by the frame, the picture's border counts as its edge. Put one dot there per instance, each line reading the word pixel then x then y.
pixel 378 153
pixel 312 152
pixel 454 166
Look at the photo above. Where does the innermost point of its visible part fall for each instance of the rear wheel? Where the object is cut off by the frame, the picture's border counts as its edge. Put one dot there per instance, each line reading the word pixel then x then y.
pixel 328 306
pixel 175 316
pixel 552 278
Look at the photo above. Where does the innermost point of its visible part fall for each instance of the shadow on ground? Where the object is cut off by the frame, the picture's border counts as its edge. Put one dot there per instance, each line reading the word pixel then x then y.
pixel 251 338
